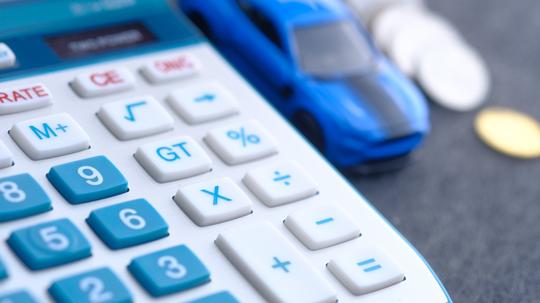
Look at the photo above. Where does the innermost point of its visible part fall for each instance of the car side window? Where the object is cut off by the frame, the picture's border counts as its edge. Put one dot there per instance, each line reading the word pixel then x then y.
pixel 264 24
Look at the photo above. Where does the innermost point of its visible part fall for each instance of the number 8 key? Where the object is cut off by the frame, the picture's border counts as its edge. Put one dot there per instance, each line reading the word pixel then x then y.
pixel 21 196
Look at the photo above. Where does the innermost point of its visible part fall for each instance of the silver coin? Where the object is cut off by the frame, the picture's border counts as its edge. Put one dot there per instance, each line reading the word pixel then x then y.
pixel 390 20
pixel 421 35
pixel 366 10
pixel 455 77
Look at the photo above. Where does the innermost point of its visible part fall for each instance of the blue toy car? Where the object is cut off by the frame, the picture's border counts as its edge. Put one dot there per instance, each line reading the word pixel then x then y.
pixel 318 66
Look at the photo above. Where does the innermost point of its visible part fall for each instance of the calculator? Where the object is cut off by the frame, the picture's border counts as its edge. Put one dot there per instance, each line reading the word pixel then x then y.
pixel 137 166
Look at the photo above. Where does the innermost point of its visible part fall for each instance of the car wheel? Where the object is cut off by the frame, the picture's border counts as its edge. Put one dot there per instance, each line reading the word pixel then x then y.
pixel 201 23
pixel 310 128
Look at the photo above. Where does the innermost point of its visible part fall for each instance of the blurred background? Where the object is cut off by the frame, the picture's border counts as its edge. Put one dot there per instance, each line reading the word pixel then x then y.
pixel 474 213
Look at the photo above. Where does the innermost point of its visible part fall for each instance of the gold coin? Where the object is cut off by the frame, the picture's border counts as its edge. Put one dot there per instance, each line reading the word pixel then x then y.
pixel 509 132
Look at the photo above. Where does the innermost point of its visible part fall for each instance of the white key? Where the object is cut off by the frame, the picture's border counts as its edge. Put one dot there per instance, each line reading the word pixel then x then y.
pixel 213 201
pixel 241 142
pixel 135 118
pixel 170 68
pixel 6 159
pixel 7 57
pixel 24 98
pixel 173 159
pixel 103 82
pixel 280 183
pixel 274 267
pixel 50 136
pixel 365 270
pixel 321 226
pixel 203 102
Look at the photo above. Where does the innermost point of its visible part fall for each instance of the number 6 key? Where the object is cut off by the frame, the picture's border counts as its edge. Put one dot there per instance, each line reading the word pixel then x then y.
pixel 128 224
pixel 88 180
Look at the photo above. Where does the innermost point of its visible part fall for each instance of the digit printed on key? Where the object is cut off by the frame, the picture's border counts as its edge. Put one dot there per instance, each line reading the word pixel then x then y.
pixel 128 224
pixel 96 286
pixel 49 244
pixel 21 196
pixel 88 180
pixel 169 270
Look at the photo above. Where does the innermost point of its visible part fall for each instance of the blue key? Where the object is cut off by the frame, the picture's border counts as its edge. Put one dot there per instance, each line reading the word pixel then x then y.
pixel 21 196
pixel 100 285
pixel 21 296
pixel 88 180
pixel 220 297
pixel 3 272
pixel 127 224
pixel 49 244
pixel 168 271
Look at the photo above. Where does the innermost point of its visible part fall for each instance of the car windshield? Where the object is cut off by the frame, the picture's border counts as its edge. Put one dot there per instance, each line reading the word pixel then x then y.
pixel 332 49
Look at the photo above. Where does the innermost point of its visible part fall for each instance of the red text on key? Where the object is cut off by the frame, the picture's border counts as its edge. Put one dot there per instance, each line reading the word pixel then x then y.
pixel 106 78
pixel 23 94
pixel 176 64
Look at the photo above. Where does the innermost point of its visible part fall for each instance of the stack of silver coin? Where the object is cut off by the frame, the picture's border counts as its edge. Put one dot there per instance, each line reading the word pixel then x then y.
pixel 429 49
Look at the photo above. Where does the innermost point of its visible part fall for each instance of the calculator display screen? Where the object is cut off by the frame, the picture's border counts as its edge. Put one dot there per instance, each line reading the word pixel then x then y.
pixel 99 41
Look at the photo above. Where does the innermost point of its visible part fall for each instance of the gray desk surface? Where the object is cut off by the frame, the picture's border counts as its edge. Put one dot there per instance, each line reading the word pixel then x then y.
pixel 474 214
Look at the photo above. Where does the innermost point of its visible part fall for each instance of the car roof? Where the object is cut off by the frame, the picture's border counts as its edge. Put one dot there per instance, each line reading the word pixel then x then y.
pixel 292 12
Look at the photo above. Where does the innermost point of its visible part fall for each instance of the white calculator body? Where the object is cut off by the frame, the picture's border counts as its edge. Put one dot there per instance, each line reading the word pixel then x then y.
pixel 137 166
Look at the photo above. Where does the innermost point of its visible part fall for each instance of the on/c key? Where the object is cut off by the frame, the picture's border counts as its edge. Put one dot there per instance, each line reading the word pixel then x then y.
pixel 274 267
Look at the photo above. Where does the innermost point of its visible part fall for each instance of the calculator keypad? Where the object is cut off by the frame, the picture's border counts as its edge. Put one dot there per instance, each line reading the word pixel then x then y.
pixel 265 209
pixel 100 285
pixel 50 136
pixel 241 142
pixel 173 159
pixel 49 244
pixel 168 271
pixel 127 224
pixel 213 201
pixel 21 196
pixel 135 118
pixel 203 102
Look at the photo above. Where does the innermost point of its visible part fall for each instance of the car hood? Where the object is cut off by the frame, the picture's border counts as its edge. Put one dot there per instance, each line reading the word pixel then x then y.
pixel 376 105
